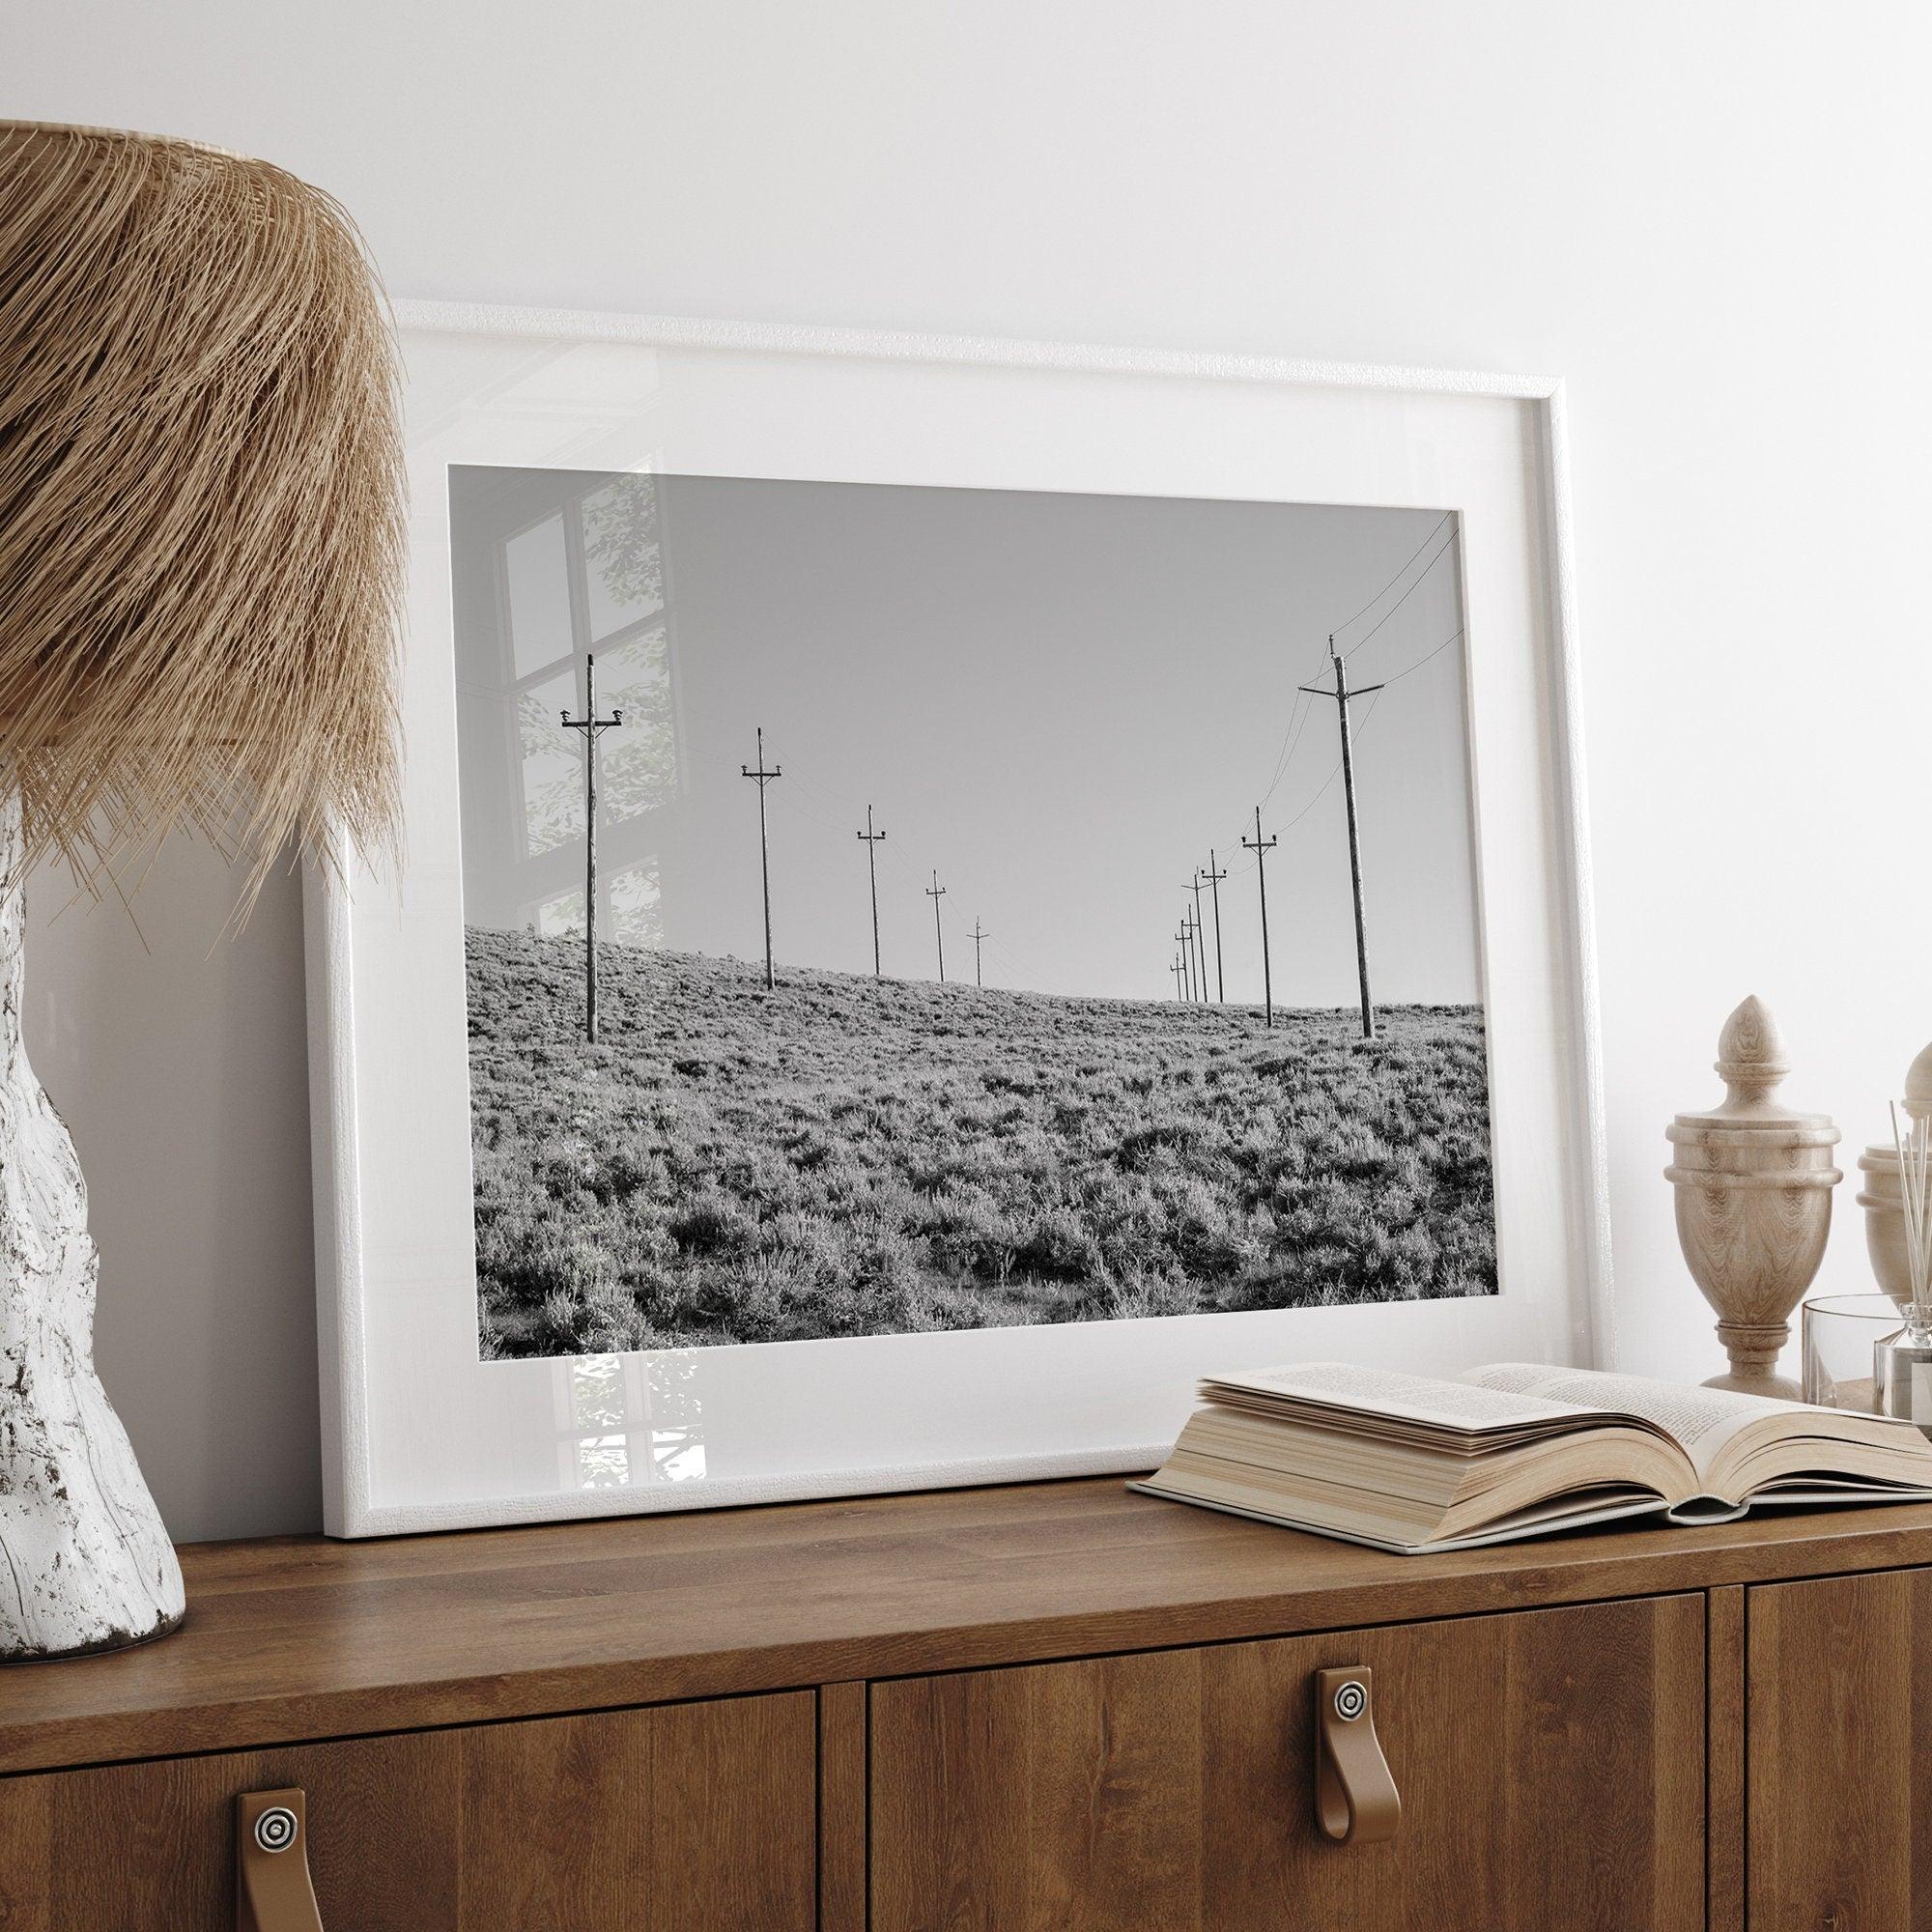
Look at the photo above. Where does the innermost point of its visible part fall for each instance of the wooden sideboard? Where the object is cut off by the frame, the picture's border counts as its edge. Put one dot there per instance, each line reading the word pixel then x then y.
pixel 1057 1705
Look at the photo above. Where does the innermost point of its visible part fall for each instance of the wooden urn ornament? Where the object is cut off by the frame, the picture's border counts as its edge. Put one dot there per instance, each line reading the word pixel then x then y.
pixel 1883 1195
pixel 1754 1180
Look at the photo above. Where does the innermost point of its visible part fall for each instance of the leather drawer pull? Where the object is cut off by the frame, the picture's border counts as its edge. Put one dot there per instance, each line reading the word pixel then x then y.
pixel 273 1892
pixel 1356 1799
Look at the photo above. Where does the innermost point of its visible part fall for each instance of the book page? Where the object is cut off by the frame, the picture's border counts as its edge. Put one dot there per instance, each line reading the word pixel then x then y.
pixel 1580 1512
pixel 1700 1420
pixel 1463 1404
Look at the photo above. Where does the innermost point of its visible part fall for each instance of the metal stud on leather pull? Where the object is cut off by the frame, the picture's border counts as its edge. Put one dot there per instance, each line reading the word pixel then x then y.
pixel 1356 1799
pixel 273 1892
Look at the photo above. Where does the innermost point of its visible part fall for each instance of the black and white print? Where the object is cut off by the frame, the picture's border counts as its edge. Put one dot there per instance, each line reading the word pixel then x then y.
pixel 931 837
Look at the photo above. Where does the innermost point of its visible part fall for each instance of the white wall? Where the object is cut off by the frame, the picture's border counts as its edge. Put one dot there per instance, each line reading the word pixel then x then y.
pixel 1711 218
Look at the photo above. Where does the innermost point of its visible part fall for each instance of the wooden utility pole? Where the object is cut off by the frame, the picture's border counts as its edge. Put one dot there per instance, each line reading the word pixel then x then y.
pixel 1186 963
pixel 935 893
pixel 593 727
pixel 1341 695
pixel 871 839
pixel 1260 847
pixel 1198 957
pixel 978 933
pixel 1214 875
pixel 1173 967
pixel 764 778
pixel 1200 932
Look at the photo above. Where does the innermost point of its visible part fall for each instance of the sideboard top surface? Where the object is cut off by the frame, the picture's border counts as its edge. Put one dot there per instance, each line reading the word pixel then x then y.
pixel 299 1637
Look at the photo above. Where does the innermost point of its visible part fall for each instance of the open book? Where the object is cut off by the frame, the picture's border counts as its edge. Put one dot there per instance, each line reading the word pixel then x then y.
pixel 1410 1463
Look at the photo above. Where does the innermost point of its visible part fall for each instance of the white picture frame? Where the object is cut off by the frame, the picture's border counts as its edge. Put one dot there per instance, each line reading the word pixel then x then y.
pixel 420 1433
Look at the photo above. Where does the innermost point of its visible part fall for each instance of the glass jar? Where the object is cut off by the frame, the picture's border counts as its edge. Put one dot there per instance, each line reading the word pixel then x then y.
pixel 1839 1334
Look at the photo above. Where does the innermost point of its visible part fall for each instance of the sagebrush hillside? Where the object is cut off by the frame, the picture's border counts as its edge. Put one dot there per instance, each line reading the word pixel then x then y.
pixel 851 1156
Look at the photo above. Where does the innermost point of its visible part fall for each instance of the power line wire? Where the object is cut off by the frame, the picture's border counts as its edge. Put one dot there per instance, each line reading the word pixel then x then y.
pixel 1241 872
pixel 1395 678
pixel 1420 577
pixel 1452 637
pixel 1398 577
pixel 1297 726
pixel 1299 713
pixel 1333 772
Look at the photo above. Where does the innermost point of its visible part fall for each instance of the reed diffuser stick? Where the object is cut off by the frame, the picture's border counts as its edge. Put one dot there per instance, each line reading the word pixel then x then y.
pixel 1913 1143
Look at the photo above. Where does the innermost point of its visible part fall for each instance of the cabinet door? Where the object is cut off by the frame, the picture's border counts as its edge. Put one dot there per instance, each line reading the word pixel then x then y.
pixel 1550 1765
pixel 1840 1749
pixel 684 1818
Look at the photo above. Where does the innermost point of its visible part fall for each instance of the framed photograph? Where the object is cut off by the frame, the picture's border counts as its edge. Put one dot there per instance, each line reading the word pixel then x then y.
pixel 952 887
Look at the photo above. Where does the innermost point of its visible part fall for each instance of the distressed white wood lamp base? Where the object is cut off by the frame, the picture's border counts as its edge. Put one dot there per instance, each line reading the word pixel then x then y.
pixel 85 1563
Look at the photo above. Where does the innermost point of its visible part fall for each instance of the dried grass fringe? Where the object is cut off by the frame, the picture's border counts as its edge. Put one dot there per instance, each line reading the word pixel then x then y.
pixel 201 506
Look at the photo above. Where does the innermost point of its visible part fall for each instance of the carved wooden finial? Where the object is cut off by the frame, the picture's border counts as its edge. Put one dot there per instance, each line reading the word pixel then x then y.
pixel 1751 1059
pixel 1753 1181
pixel 1918 1087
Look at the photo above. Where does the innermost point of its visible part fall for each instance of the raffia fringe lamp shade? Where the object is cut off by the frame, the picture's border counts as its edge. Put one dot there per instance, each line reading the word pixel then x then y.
pixel 201 543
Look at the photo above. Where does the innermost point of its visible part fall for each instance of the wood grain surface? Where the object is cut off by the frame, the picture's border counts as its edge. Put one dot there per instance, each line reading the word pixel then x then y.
pixel 1840 1755
pixel 843 1742
pixel 1550 1767
pixel 1724 1824
pixel 686 1818
pixel 304 1639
